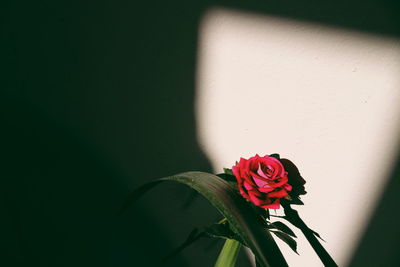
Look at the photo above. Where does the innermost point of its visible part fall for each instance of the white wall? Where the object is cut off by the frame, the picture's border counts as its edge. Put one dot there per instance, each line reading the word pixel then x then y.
pixel 326 98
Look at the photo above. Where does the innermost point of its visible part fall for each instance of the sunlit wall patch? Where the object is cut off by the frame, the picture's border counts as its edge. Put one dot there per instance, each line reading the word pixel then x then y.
pixel 325 97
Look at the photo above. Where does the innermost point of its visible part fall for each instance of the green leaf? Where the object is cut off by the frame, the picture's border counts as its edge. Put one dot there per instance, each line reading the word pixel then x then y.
pixel 267 215
pixel 228 172
pixel 284 228
pixel 228 255
pixel 231 180
pixel 243 221
pixel 287 239
pixel 275 155
pixel 221 230
pixel 263 214
pixel 227 177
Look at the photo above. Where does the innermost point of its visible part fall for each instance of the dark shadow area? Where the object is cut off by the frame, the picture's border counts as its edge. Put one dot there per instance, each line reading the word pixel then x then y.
pixel 372 16
pixel 96 97
pixel 380 243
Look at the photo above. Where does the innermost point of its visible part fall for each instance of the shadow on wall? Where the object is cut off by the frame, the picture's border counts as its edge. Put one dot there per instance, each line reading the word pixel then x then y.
pixel 379 245
pixel 97 99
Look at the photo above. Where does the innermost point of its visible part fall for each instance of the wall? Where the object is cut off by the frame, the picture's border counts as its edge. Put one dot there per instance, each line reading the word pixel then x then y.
pixel 325 97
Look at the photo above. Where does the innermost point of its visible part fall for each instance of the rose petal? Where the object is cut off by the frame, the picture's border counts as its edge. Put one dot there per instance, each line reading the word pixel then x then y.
pixel 236 171
pixel 260 172
pixel 266 189
pixel 244 194
pixel 274 205
pixel 247 185
pixel 259 182
pixel 279 194
pixel 283 181
pixel 255 175
pixel 255 200
pixel 256 192
pixel 275 165
pixel 288 187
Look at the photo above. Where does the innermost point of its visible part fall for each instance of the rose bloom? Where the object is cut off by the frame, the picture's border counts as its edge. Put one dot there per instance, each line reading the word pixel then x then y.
pixel 262 180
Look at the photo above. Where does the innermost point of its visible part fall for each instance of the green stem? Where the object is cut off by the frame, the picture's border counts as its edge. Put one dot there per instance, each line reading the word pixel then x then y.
pixel 228 255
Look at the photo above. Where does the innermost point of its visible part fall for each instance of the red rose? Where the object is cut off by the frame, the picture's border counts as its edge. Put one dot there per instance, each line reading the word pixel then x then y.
pixel 262 180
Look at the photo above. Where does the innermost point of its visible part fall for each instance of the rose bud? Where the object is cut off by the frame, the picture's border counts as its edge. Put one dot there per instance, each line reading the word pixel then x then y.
pixel 262 180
